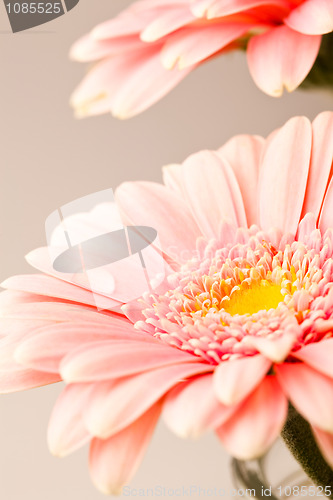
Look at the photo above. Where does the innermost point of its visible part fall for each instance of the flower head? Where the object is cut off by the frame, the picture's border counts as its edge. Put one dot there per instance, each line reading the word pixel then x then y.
pixel 151 46
pixel 242 323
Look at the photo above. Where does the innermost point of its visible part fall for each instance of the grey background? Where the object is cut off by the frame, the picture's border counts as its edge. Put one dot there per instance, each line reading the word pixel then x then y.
pixel 48 158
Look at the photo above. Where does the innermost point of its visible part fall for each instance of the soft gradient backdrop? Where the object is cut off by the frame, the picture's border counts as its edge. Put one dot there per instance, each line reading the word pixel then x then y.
pixel 49 158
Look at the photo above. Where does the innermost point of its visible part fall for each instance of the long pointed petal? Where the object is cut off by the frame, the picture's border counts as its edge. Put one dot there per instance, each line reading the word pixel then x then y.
pixel 152 204
pixel 234 380
pixel 116 404
pixel 326 216
pixel 188 419
pixel 325 442
pixel 66 431
pixel 22 379
pixel 257 423
pixel 45 350
pixel 321 162
pixel 319 355
pixel 281 58
pixel 310 391
pixel 284 174
pixel 243 152
pixel 102 361
pixel 313 17
pixel 114 461
pixel 212 192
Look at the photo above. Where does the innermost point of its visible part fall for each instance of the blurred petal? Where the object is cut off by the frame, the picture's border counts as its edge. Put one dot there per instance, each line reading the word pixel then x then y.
pixel 312 17
pixel 222 8
pixel 257 423
pixel 234 380
pixel 310 392
pixel 325 442
pixel 21 379
pixel 114 461
pixel 88 49
pixel 281 58
pixel 66 431
pixel 45 350
pixel 167 22
pixel 318 355
pixel 173 178
pixel 192 45
pixel 116 404
pixel 102 361
pixel 146 83
pixel 185 417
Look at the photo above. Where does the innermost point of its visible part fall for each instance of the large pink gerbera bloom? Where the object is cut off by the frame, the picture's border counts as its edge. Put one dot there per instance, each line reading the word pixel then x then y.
pixel 152 45
pixel 243 322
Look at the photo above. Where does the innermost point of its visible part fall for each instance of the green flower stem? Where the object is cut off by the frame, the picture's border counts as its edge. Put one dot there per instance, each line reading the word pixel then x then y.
pixel 299 439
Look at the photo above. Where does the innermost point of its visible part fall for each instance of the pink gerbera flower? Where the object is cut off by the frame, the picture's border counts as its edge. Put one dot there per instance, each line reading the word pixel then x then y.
pixel 242 324
pixel 152 45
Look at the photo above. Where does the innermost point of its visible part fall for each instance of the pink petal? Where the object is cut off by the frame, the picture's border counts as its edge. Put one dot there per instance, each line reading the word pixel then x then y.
pixel 325 442
pixel 129 22
pixel 114 461
pixel 277 349
pixel 53 288
pixel 21 323
pixel 88 49
pixel 168 21
pixel 116 404
pixel 56 312
pixel 173 178
pixel 212 192
pixel 234 380
pixel 66 431
pixel 284 174
pixel 192 45
pixel 133 311
pixel 243 152
pixel 309 391
pixel 13 328
pixel 45 350
pixel 306 226
pixel 9 298
pixel 18 331
pixel 101 361
pixel 221 8
pixel 312 17
pixel 22 379
pixel 145 83
pixel 257 423
pixel 318 355
pixel 126 84
pixel 326 216
pixel 321 162
pixel 281 58
pixel 110 289
pixel 185 417
pixel 95 94
pixel 148 203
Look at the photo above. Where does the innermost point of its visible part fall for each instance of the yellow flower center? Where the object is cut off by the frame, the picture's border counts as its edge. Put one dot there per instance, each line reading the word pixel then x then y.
pixel 242 290
pixel 251 300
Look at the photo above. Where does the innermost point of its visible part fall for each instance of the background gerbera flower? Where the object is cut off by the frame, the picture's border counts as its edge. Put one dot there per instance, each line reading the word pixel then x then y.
pixel 242 324
pixel 152 45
